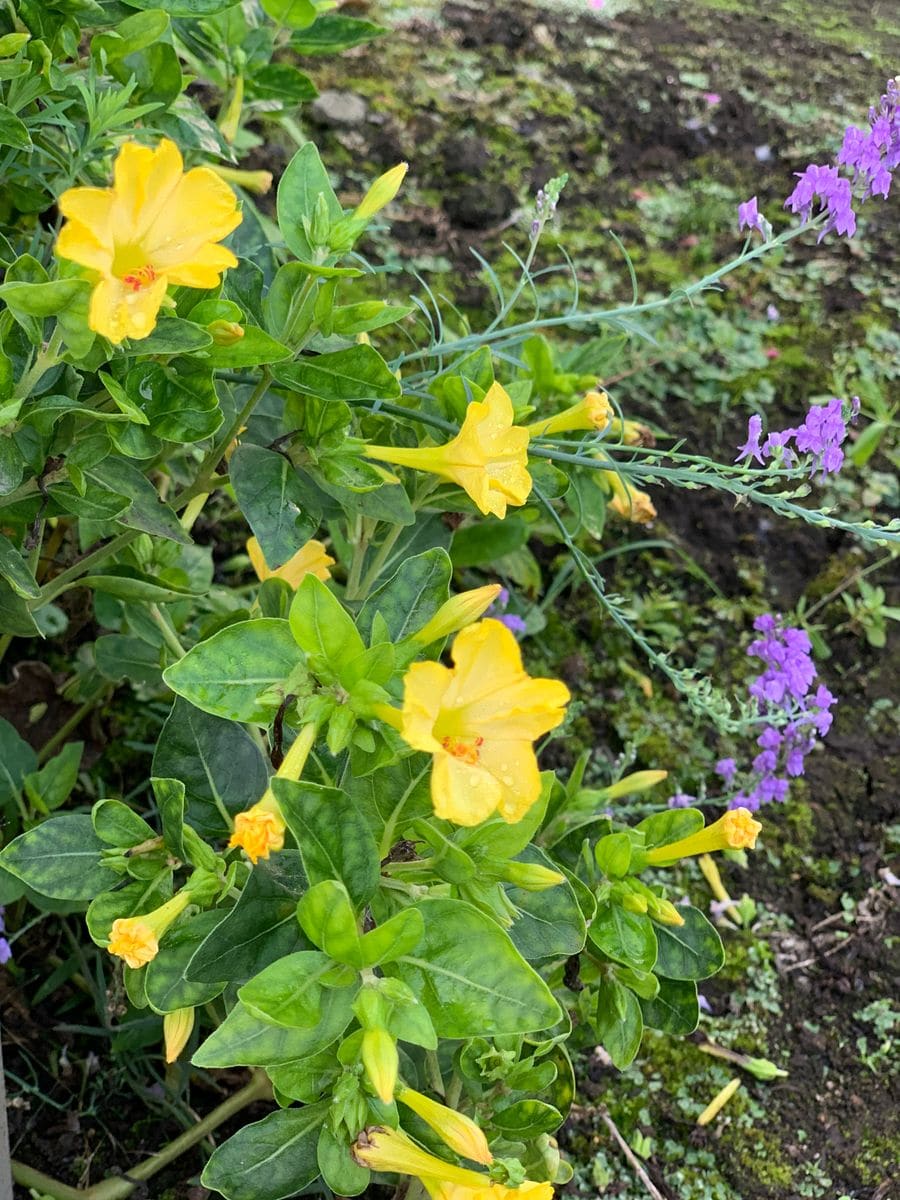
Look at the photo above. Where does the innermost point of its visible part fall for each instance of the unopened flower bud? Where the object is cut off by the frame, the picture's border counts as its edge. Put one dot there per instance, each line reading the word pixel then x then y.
pixel 381 193
pixel 665 912
pixel 458 1131
pixel 225 333
pixel 638 781
pixel 627 501
pixel 458 612
pixel 531 877
pixel 258 182
pixel 381 1062
pixel 177 1028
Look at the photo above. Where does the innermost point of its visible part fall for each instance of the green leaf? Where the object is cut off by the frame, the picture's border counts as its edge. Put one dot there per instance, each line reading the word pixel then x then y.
pixel 334 841
pixel 340 1171
pixel 51 786
pixel 15 615
pixel 173 335
pixel 239 672
pixel 662 828
pixel 59 859
pixel 619 1024
pixel 471 978
pixel 218 762
pixel 624 936
pixel 270 1159
pixel 526 1119
pixel 274 501
pixel 322 626
pixel 550 923
pixel 328 919
pixel 13 132
pixel 399 935
pixel 127 584
pixel 191 9
pixel 332 34
pixel 279 81
pixel 410 597
pixel 244 1040
pixel 295 14
pixel 118 825
pixel 167 986
pixel 254 349
pixel 119 656
pixel 169 795
pixel 674 1009
pixel 289 992
pixel 134 33
pixel 303 181
pixel 487 541
pixel 133 900
pixel 15 571
pixel 17 759
pixel 40 299
pixel 147 512
pixel 178 398
pixel 358 373
pixel 260 929
pixel 690 951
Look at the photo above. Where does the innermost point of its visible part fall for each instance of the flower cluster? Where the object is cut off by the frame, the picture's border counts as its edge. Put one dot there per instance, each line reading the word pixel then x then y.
pixel 832 192
pixel 821 436
pixel 5 948
pixel 786 688
pixel 875 155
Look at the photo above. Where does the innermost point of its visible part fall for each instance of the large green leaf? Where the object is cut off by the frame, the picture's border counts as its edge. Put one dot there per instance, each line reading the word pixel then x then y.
pixel 239 672
pixel 274 502
pixel 322 627
pixel 220 765
pixel 674 1009
pixel 670 826
pixel 689 951
pixel 15 571
pixel 550 923
pixel 289 991
pixel 244 1040
pixel 334 33
pixel 17 759
pixel 59 859
pixel 147 512
pixel 270 1159
pixel 619 1024
pixel 334 840
pixel 260 929
pixel 178 398
pixel 358 373
pixel 167 986
pixel 625 936
pixel 410 597
pixel 471 978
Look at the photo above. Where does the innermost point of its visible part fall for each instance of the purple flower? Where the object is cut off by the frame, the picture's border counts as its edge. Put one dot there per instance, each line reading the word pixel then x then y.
pixel 5 948
pixel 726 769
pixel 875 155
pixel 703 1004
pixel 513 623
pixel 712 98
pixel 681 800
pixel 772 313
pixel 751 449
pixel 834 195
pixel 749 217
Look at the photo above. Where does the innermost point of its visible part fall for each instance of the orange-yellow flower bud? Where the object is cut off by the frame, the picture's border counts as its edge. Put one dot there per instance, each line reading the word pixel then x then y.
pixel 736 830
pixel 458 1131
pixel 225 333
pixel 627 501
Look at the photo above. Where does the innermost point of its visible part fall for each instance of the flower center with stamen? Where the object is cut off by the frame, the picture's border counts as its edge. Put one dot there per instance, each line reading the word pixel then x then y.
pixel 140 277
pixel 465 751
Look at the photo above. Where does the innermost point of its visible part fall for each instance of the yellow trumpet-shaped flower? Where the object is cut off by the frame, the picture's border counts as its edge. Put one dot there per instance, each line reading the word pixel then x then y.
pixel 394 1151
pixel 594 411
pixel 381 193
pixel 156 226
pixel 261 828
pixel 627 501
pixel 458 612
pixel 311 558
pixel 177 1028
pixel 736 830
pixel 136 939
pixel 488 458
pixel 479 720
pixel 457 1130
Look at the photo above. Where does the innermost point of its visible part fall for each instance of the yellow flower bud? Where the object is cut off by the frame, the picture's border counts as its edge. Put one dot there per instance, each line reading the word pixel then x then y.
pixel 310 559
pixel 632 433
pixel 177 1028
pixel 736 830
pixel 627 501
pixel 225 333
pixel 665 912
pixel 711 874
pixel 381 193
pixel 458 612
pixel 259 830
pixel 136 939
pixel 258 182
pixel 458 1131
pixel 381 1061
pixel 638 781
pixel 531 877
pixel 713 1109
pixel 594 411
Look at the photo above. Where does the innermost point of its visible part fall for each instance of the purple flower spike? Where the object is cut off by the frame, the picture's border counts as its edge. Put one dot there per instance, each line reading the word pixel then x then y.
pixel 513 623
pixel 749 217
pixel 751 449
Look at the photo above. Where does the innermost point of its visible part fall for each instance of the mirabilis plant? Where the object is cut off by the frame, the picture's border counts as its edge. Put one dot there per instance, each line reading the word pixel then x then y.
pixel 354 878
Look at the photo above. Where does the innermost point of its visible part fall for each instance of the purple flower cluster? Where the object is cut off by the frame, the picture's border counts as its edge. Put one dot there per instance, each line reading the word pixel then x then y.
pixel 875 155
pixel 786 688
pixel 497 610
pixel 5 948
pixel 872 155
pixel 821 436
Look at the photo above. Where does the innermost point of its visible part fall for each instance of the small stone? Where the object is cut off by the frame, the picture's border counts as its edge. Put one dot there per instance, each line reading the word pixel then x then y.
pixel 340 108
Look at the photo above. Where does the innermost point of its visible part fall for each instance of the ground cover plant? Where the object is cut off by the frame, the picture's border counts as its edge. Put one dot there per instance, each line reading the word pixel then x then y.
pixel 322 870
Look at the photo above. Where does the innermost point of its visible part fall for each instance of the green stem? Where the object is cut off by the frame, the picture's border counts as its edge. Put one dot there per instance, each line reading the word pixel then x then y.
pixel 122 1186
pixel 64 580
pixel 70 725
pixel 433 1072
pixel 380 559
pixel 169 636
pixel 360 546
pixel 44 360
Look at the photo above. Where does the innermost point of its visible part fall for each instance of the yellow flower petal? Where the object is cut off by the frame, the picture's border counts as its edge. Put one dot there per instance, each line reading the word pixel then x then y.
pixel 258 831
pixel 310 559
pixel 116 312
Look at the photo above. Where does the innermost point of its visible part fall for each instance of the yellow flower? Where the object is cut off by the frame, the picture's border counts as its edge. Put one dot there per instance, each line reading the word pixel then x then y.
pixel 488 458
pixel 155 226
pixel 736 830
pixel 629 502
pixel 382 1062
pixel 458 1131
pixel 458 612
pixel 381 193
pixel 594 411
pixel 394 1151
pixel 309 559
pixel 177 1028
pixel 479 720
pixel 136 939
pixel 259 830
